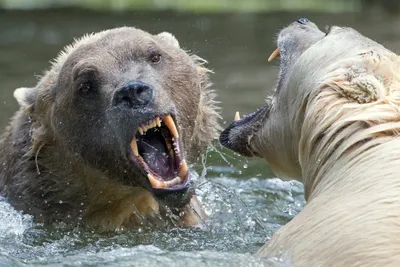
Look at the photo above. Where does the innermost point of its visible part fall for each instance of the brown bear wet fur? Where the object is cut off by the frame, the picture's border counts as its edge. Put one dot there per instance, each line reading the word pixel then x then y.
pixel 63 154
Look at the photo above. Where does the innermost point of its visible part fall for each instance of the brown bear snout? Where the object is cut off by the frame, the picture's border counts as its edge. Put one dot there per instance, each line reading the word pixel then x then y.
pixel 134 95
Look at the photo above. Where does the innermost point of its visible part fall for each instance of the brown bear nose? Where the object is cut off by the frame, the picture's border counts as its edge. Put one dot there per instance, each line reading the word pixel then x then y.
pixel 134 95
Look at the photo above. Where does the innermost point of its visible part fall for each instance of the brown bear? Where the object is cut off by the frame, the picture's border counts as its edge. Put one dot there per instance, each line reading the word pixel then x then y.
pixel 107 136
pixel 333 123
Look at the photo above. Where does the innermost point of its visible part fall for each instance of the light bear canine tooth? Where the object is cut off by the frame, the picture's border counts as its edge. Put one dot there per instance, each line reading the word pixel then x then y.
pixel 237 116
pixel 276 53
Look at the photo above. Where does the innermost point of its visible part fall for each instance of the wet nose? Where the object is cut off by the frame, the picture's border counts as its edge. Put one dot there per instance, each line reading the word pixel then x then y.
pixel 302 20
pixel 134 95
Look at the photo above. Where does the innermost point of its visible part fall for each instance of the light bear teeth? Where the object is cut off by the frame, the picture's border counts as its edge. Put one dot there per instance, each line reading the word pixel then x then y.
pixel 237 116
pixel 274 54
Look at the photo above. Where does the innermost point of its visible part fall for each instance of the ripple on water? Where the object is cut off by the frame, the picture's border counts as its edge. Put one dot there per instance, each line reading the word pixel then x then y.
pixel 243 213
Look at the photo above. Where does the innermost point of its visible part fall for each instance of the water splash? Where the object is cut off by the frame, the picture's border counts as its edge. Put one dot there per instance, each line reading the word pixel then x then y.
pixel 13 223
pixel 152 256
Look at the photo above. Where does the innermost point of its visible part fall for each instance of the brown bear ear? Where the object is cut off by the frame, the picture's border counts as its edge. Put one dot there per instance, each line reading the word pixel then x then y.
pixel 169 39
pixel 25 97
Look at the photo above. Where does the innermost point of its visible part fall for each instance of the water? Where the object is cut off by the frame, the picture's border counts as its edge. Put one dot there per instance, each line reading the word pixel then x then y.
pixel 241 218
pixel 244 207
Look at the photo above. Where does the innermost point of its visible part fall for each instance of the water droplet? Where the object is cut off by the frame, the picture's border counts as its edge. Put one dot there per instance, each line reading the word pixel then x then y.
pixel 245 166
pixel 60 201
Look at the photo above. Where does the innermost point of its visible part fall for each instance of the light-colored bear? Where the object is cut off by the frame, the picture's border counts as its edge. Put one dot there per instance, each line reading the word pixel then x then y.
pixel 333 123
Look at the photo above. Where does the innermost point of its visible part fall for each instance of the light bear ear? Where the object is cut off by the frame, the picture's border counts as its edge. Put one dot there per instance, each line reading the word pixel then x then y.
pixel 169 39
pixel 25 96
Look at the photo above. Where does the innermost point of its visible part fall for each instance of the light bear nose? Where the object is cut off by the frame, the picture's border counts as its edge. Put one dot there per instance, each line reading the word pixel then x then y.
pixel 133 95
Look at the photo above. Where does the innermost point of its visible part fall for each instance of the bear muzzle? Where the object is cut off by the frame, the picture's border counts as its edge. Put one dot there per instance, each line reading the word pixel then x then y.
pixel 134 95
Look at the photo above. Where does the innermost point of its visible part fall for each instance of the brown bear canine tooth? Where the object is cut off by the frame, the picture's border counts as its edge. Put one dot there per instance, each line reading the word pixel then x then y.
pixel 183 170
pixel 155 182
pixel 140 130
pixel 169 122
pixel 134 147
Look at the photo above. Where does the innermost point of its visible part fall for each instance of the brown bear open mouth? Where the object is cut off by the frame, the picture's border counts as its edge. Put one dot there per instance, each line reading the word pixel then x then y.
pixel 156 149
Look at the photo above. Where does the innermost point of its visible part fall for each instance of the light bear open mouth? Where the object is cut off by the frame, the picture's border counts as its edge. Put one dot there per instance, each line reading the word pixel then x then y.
pixel 156 149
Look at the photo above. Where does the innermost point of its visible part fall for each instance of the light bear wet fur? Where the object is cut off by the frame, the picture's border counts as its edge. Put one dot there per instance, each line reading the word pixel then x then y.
pixel 333 123
pixel 72 171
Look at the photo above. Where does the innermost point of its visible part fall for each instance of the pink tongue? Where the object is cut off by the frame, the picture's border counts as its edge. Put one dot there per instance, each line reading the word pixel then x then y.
pixel 154 152
pixel 158 162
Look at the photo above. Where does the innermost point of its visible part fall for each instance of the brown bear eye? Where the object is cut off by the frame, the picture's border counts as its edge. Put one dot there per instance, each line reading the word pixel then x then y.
pixel 86 88
pixel 155 58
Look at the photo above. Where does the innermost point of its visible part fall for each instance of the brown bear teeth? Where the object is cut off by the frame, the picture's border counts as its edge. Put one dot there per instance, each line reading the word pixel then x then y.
pixel 182 175
pixel 183 167
pixel 167 120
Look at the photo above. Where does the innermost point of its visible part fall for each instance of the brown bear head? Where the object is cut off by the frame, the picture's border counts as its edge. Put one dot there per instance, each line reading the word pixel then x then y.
pixel 133 105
